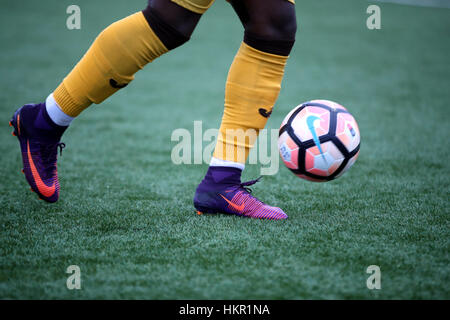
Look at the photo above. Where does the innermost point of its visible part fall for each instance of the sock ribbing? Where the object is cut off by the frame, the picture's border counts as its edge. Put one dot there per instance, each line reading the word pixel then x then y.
pixel 55 113
pixel 253 85
pixel 119 51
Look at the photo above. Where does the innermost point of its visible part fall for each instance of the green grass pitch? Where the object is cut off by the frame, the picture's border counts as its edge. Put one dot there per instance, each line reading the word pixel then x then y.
pixel 126 217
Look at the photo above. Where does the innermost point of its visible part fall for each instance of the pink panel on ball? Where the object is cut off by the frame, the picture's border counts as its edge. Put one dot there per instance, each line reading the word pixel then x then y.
pixel 334 167
pixel 314 151
pixel 347 131
pixel 288 151
pixel 294 159
pixel 300 123
pixel 342 120
pixel 333 151
pixel 355 157
pixel 323 164
pixel 309 159
pixel 318 172
pixel 318 111
pixel 330 104
pixel 290 165
pixel 290 143
pixel 323 125
pixel 345 139
pixel 349 165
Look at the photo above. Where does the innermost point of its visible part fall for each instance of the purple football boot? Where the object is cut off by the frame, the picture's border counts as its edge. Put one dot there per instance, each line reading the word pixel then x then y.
pixel 39 139
pixel 221 191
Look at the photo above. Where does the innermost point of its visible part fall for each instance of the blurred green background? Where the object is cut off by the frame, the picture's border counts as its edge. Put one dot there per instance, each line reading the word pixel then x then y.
pixel 126 217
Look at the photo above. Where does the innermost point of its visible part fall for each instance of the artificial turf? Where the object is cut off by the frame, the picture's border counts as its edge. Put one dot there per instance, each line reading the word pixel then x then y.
pixel 126 218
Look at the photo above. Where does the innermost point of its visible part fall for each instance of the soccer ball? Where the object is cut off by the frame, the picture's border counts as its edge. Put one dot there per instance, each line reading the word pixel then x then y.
pixel 319 140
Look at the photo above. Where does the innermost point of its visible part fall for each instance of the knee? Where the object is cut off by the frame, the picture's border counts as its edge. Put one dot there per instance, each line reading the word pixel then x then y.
pixel 284 27
pixel 274 32
pixel 277 24
pixel 172 24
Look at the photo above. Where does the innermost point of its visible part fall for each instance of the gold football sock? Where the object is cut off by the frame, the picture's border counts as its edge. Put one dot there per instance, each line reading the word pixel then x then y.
pixel 116 55
pixel 252 87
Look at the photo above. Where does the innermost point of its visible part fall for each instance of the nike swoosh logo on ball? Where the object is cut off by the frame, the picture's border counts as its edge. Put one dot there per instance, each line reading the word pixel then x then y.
pixel 310 122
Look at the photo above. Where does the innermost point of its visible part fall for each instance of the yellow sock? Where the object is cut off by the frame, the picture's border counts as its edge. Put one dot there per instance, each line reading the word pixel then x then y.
pixel 252 87
pixel 116 55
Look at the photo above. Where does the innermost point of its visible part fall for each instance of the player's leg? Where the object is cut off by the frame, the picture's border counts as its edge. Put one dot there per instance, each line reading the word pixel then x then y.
pixel 119 51
pixel 252 87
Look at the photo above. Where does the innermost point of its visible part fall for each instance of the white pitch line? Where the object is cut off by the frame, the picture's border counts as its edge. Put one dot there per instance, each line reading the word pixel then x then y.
pixel 421 3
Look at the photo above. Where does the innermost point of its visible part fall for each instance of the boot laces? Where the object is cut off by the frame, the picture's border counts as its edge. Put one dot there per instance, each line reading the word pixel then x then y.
pixel 245 185
pixel 49 154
